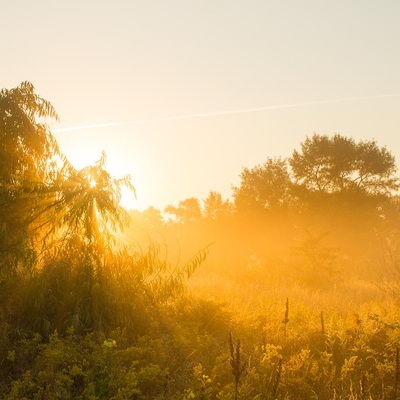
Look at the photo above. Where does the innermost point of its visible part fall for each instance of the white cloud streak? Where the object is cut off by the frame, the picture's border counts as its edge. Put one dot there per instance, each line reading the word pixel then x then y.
pixel 222 113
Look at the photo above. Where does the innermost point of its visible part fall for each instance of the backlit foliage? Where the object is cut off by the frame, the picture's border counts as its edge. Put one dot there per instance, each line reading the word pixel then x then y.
pixel 335 164
pixel 296 297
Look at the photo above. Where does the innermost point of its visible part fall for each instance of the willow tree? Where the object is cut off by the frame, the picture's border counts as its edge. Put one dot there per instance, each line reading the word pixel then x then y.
pixel 26 145
pixel 27 149
pixel 41 194
pixel 87 204
pixel 49 208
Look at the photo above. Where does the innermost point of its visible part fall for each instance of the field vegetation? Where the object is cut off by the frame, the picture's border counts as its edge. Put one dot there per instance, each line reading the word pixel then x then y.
pixel 289 290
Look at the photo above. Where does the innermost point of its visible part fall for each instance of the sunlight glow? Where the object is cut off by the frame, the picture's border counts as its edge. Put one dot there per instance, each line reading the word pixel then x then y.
pixel 128 200
pixel 89 152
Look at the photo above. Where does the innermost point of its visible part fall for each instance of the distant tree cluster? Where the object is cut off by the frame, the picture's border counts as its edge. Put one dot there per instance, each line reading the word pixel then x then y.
pixel 324 165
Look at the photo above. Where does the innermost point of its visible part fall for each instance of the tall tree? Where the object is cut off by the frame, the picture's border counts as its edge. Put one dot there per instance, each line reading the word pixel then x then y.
pixel 27 151
pixel 337 164
pixel 264 187
pixel 26 145
pixel 215 207
pixel 188 210
pixel 39 189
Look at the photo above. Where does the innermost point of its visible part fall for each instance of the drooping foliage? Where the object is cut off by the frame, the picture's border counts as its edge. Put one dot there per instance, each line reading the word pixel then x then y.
pixel 27 166
pixel 56 237
pixel 26 145
pixel 43 198
pixel 87 202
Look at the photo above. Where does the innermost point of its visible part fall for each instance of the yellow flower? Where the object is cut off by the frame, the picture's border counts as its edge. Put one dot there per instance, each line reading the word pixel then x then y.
pixel 110 343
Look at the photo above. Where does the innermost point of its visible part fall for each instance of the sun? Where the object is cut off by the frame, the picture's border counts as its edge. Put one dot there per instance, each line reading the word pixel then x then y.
pixel 83 149
pixel 92 183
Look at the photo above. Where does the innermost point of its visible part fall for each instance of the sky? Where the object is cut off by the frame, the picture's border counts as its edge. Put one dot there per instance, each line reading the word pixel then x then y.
pixel 184 94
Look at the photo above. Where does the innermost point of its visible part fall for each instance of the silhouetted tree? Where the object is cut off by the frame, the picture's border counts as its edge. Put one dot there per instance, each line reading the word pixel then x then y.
pixel 152 217
pixel 337 164
pixel 264 187
pixel 26 146
pixel 88 203
pixel 187 211
pixel 40 192
pixel 215 207
pixel 27 166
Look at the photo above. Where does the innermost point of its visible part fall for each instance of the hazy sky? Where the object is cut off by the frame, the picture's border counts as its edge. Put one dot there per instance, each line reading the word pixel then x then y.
pixel 104 62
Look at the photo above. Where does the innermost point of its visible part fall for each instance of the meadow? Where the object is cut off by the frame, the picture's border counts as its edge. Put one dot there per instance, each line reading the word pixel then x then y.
pixel 289 290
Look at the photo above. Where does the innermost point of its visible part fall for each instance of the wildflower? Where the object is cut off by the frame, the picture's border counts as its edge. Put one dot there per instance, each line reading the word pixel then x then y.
pixel 109 343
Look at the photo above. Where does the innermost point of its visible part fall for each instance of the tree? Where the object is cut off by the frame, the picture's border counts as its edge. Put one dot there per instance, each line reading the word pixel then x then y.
pixel 337 164
pixel 27 153
pixel 188 210
pixel 41 194
pixel 152 217
pixel 46 204
pixel 26 146
pixel 215 207
pixel 87 202
pixel 264 187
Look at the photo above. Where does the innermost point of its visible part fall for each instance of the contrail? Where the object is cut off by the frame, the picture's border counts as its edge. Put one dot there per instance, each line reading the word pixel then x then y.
pixel 221 113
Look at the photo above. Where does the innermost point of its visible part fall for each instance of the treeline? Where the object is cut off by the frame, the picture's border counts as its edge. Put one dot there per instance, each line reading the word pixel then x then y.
pixel 325 170
pixel 328 213
pixel 84 316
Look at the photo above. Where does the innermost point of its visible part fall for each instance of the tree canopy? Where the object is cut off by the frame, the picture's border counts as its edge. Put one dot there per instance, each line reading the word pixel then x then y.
pixel 188 210
pixel 41 193
pixel 264 187
pixel 27 151
pixel 26 145
pixel 338 163
pixel 215 207
pixel 324 165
